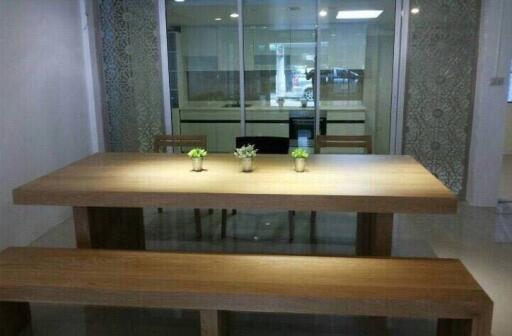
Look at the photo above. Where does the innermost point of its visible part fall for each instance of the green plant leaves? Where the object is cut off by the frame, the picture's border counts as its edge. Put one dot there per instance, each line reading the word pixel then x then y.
pixel 300 153
pixel 197 153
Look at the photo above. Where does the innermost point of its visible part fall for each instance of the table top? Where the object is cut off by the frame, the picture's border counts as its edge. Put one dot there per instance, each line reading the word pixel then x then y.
pixel 359 183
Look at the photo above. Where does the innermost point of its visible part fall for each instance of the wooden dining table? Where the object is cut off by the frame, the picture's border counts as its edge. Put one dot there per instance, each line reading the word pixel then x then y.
pixel 108 191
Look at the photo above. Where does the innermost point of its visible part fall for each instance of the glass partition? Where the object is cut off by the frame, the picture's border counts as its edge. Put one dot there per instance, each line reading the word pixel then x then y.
pixel 204 70
pixel 279 56
pixel 356 69
pixel 283 41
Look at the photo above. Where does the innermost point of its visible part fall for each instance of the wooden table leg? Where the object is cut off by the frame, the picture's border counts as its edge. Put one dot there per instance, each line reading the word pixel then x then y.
pixel 312 228
pixel 446 327
pixel 291 225
pixel 375 238
pixel 14 317
pixel 374 234
pixel 479 325
pixel 109 228
pixel 213 323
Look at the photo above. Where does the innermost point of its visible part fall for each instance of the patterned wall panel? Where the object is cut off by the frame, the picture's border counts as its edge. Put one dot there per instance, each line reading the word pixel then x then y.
pixel 132 73
pixel 441 65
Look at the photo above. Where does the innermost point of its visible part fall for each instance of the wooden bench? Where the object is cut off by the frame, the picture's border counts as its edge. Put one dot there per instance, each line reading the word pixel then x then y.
pixel 212 283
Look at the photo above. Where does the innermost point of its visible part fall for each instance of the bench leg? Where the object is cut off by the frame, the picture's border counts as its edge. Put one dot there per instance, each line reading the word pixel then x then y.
pixel 478 326
pixel 374 234
pixel 14 317
pixel 212 323
pixel 109 228
pixel 291 225
pixel 197 221
pixel 312 227
pixel 447 327
pixel 223 220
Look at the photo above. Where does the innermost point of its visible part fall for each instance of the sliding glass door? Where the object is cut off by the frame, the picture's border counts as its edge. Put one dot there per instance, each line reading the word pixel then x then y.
pixel 204 69
pixel 281 44
pixel 279 57
pixel 355 58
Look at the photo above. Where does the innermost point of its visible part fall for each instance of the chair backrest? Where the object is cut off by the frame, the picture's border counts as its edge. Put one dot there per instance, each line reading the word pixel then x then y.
pixel 161 142
pixel 343 141
pixel 265 144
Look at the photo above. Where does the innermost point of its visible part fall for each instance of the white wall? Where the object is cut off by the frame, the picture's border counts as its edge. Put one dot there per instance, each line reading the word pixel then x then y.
pixel 44 121
pixel 508 131
pixel 488 133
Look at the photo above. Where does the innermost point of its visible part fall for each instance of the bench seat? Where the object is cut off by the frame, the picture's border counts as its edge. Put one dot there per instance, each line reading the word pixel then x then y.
pixel 212 283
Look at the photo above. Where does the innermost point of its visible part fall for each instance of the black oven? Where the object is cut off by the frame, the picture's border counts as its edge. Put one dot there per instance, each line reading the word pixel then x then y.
pixel 302 126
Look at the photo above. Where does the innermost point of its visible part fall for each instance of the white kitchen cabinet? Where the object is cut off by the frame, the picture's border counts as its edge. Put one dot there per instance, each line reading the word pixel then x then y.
pixel 227 48
pixel 226 134
pixel 199 41
pixel 220 135
pixel 343 46
pixel 302 47
pixel 249 49
pixel 268 129
pixel 263 37
pixel 201 129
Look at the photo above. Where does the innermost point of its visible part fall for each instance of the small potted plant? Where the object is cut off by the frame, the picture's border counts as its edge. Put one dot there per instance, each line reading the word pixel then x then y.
pixel 246 154
pixel 300 155
pixel 197 155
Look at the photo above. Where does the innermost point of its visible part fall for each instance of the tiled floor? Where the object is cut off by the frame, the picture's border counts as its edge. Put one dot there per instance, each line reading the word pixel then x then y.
pixel 506 179
pixel 470 235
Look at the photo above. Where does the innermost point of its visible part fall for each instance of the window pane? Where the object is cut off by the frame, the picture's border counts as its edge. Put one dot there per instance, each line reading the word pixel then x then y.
pixel 356 69
pixel 204 70
pixel 279 42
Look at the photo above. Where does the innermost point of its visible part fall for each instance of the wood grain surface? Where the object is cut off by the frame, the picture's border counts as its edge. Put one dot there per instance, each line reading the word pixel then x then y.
pixel 359 183
pixel 295 284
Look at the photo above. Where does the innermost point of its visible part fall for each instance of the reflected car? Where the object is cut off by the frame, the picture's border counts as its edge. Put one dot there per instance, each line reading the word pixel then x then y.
pixel 302 84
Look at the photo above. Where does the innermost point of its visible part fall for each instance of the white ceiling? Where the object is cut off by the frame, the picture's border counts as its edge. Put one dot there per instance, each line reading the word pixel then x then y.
pixel 281 13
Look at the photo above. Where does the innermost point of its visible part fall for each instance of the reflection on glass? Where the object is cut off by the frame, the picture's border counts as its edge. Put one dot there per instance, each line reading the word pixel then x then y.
pixel 279 48
pixel 356 68
pixel 204 70
pixel 355 61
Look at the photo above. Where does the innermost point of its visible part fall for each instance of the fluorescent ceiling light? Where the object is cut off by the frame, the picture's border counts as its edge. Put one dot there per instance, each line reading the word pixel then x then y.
pixel 218 19
pixel 358 14
pixel 322 13
pixel 179 0
pixel 233 15
pixel 415 10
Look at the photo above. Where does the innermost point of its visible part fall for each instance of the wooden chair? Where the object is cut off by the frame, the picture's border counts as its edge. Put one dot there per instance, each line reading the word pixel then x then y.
pixel 264 145
pixel 337 141
pixel 343 141
pixel 162 142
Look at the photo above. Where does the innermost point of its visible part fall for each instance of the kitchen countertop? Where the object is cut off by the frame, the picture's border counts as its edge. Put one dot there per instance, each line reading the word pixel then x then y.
pixel 349 106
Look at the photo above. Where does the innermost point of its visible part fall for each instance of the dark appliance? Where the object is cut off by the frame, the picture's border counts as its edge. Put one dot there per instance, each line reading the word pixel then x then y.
pixel 302 126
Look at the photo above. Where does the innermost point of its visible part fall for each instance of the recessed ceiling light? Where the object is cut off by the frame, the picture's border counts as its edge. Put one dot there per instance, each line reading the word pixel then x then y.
pixel 358 14
pixel 322 13
pixel 415 10
pixel 218 19
pixel 233 15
